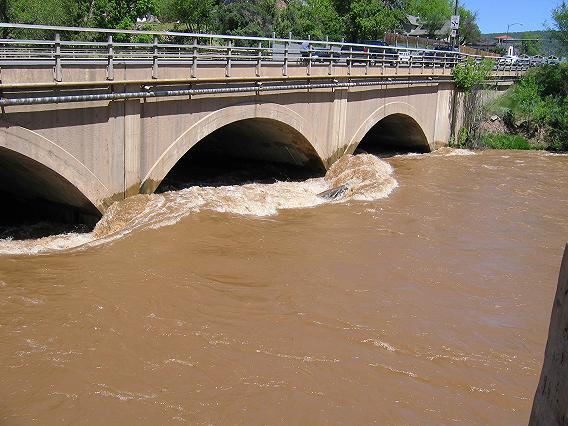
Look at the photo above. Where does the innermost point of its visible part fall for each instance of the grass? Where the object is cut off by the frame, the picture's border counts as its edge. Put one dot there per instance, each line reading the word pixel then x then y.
pixel 506 141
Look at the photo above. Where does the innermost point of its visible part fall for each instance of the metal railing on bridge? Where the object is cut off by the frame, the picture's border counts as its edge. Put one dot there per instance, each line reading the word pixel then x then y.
pixel 193 50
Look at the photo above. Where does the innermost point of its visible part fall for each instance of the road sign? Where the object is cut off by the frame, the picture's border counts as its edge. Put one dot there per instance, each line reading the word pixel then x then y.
pixel 455 22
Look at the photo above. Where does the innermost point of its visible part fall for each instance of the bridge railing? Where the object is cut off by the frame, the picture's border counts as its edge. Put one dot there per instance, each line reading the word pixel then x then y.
pixel 104 46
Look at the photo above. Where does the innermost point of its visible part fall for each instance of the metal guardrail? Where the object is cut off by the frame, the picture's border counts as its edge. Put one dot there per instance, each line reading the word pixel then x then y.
pixel 193 49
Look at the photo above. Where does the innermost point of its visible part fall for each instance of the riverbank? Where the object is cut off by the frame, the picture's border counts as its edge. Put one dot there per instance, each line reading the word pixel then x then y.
pixel 531 115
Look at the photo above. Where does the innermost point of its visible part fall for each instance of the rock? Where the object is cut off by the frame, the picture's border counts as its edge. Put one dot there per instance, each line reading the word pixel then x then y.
pixel 494 118
pixel 550 404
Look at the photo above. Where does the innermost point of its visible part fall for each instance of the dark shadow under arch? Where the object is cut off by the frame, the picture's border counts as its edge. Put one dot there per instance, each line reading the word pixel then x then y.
pixel 394 134
pixel 32 193
pixel 250 150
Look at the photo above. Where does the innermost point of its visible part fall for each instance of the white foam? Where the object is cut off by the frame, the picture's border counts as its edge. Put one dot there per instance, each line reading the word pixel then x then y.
pixel 450 152
pixel 380 344
pixel 440 152
pixel 367 177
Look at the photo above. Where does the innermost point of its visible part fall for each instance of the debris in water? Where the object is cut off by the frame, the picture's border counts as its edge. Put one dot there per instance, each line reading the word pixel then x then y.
pixel 334 193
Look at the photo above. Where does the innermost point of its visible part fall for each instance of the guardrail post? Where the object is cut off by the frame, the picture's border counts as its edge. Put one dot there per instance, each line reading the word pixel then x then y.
pixel 286 49
pixel 309 68
pixel 155 58
pixel 194 57
pixel 367 62
pixel 58 74
pixel 110 62
pixel 350 61
pixel 259 60
pixel 328 47
pixel 229 53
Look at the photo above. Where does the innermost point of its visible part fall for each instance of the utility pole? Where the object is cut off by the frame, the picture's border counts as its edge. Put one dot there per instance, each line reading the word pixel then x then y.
pixel 457 33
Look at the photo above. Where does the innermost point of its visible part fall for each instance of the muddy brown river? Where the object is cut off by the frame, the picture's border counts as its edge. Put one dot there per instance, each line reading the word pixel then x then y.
pixel 421 297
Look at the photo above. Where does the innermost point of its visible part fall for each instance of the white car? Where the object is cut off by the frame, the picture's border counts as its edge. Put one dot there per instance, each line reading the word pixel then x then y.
pixel 509 60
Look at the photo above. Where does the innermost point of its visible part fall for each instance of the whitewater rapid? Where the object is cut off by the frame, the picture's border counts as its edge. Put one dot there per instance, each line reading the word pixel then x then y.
pixel 367 177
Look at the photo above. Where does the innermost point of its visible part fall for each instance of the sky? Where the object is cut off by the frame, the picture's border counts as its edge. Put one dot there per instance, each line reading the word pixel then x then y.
pixel 493 16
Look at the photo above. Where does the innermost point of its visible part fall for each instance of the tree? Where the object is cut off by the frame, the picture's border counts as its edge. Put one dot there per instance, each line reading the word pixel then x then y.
pixel 560 17
pixel 530 47
pixel 469 32
pixel 197 15
pixel 317 18
pixel 433 12
pixel 342 6
pixel 112 13
pixel 370 19
pixel 45 12
pixel 248 17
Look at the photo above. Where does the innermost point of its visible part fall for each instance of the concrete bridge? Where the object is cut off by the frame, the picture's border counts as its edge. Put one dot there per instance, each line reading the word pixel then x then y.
pixel 86 123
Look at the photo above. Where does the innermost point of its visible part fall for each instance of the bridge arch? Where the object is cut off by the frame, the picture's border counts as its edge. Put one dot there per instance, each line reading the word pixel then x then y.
pixel 35 168
pixel 282 130
pixel 394 125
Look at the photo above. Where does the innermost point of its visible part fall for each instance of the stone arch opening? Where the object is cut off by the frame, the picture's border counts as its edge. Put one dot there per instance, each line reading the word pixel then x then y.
pixel 33 194
pixel 395 133
pixel 260 150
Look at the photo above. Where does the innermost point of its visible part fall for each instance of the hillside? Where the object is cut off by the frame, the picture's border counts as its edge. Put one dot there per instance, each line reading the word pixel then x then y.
pixel 547 44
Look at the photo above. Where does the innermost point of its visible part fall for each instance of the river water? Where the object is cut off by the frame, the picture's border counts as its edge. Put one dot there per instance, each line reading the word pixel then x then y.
pixel 421 297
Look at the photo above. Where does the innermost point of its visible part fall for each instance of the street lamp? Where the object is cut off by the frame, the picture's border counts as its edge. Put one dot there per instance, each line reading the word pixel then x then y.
pixel 514 23
pixel 511 47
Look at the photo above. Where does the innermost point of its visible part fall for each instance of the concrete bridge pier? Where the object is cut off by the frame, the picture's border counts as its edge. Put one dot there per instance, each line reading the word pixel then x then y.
pixel 132 146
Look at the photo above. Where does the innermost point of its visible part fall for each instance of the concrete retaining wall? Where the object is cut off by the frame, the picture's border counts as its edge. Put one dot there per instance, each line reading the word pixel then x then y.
pixel 550 405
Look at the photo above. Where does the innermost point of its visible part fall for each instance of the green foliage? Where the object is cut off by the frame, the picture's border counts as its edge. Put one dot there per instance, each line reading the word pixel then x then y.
pixel 560 17
pixel 435 12
pixel 354 20
pixel 45 12
pixel 370 19
pixel 316 18
pixel 320 19
pixel 530 47
pixel 470 74
pixel 197 15
pixel 469 30
pixel 119 14
pixel 459 141
pixel 537 106
pixel 505 141
pixel 248 18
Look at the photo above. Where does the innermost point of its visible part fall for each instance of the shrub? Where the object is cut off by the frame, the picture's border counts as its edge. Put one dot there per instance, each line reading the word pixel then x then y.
pixel 505 141
pixel 537 105
pixel 470 74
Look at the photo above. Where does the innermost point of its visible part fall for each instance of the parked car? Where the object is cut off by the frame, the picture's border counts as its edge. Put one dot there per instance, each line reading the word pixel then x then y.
pixel 417 58
pixel 318 54
pixel 509 60
pixel 445 56
pixel 552 60
pixel 536 60
pixel 524 60
pixel 362 54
